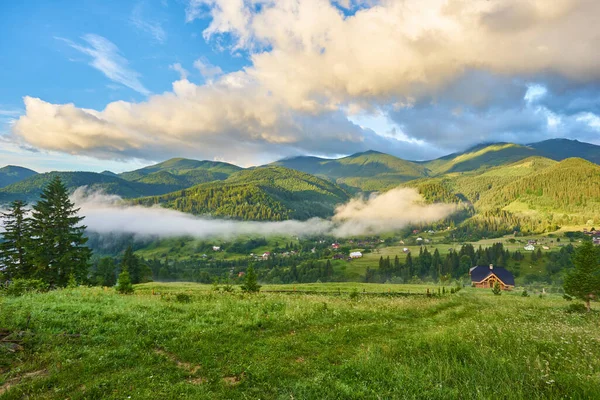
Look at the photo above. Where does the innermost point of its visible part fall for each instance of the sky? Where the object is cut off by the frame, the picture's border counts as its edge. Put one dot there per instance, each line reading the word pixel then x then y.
pixel 107 84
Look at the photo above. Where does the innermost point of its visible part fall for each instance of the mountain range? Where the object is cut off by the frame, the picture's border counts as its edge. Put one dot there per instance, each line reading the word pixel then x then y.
pixel 540 180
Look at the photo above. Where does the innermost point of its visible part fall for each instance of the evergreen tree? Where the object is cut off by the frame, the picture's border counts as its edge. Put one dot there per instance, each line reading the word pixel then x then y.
pixel 124 285
pixel 583 282
pixel 497 290
pixel 105 272
pixel 13 250
pixel 131 263
pixel 57 245
pixel 250 282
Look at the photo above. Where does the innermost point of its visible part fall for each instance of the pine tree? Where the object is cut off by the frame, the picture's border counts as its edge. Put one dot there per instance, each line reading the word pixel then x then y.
pixel 13 250
pixel 583 282
pixel 497 290
pixel 105 272
pixel 250 282
pixel 131 263
pixel 124 285
pixel 57 245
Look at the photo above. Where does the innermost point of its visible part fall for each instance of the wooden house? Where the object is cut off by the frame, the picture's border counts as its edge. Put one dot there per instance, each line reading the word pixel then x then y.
pixel 486 277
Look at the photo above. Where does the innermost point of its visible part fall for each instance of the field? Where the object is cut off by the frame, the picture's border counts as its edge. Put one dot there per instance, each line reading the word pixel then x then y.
pixel 186 341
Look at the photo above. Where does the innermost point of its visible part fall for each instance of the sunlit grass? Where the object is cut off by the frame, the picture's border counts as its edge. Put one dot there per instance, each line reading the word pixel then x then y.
pixel 94 343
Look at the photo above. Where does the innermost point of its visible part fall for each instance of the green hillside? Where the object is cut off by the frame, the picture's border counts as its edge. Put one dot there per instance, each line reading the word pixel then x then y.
pixel 478 157
pixel 368 171
pixel 12 174
pixel 559 149
pixel 265 193
pixel 193 169
pixel 29 189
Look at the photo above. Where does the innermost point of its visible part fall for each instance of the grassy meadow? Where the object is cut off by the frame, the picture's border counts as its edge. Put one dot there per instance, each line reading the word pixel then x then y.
pixel 187 341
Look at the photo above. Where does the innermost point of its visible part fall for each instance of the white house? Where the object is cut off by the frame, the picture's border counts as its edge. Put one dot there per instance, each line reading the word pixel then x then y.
pixel 406 250
pixel 216 248
pixel 356 254
pixel 529 247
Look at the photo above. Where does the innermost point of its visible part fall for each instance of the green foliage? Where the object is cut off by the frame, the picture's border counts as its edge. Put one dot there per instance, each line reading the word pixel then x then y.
pixel 524 293
pixel 20 286
pixel 124 285
pixel 250 282
pixel 267 193
pixel 14 257
pixel 57 244
pixel 183 298
pixel 104 274
pixel 583 282
pixel 12 174
pixel 497 290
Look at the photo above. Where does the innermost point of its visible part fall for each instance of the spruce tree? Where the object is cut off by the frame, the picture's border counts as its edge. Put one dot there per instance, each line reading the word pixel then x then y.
pixel 250 282
pixel 57 245
pixel 583 282
pixel 124 285
pixel 131 263
pixel 105 272
pixel 13 250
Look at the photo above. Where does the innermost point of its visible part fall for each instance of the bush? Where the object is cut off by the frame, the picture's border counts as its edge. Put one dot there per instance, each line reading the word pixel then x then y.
pixel 354 294
pixel 183 298
pixel 250 282
pixel 524 293
pixel 567 297
pixel 577 308
pixel 19 287
pixel 124 285
pixel 497 290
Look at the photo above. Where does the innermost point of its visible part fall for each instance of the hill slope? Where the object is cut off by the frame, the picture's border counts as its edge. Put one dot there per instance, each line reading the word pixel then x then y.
pixel 264 193
pixel 29 189
pixel 560 149
pixel 366 171
pixel 12 174
pixel 192 169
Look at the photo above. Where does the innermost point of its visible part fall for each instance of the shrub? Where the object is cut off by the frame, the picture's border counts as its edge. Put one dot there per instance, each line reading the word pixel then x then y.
pixel 250 282
pixel 18 287
pixel 524 293
pixel 567 297
pixel 124 285
pixel 354 294
pixel 577 308
pixel 497 290
pixel 183 298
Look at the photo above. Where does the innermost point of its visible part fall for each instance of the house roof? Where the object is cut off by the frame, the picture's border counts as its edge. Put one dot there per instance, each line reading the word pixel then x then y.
pixel 481 272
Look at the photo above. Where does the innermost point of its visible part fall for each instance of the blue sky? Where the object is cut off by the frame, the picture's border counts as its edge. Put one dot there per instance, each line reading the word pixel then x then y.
pixel 94 85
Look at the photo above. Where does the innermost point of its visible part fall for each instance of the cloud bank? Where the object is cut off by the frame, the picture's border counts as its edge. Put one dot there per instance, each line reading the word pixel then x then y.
pixel 447 73
pixel 378 214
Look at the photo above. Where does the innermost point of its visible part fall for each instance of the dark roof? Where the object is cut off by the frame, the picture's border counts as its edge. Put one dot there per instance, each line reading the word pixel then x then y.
pixel 481 272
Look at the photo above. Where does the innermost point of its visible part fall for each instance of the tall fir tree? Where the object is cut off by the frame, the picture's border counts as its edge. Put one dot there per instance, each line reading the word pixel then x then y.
pixel 583 281
pixel 57 244
pixel 13 250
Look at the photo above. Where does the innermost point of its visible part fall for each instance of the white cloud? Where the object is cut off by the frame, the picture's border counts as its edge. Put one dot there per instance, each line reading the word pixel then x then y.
pixel 153 28
pixel 107 59
pixel 183 73
pixel 207 70
pixel 312 65
pixel 387 212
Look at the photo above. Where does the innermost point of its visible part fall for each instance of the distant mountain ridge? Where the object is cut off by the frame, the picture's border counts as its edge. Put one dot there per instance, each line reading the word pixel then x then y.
pixel 12 174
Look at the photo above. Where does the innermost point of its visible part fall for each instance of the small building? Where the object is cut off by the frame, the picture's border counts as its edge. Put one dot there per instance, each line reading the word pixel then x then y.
pixel 356 254
pixel 339 256
pixel 335 246
pixel 596 240
pixel 486 277
pixel 545 247
pixel 216 248
pixel 266 255
pixel 529 247
pixel 406 250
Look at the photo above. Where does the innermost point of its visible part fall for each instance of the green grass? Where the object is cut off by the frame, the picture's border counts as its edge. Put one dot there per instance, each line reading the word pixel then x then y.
pixel 94 343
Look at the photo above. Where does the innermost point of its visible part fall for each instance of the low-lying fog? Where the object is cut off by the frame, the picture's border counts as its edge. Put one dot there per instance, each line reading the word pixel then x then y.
pixel 360 216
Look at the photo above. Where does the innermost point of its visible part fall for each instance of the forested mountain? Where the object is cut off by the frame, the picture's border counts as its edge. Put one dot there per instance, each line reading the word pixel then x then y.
pixel 482 156
pixel 29 189
pixel 535 194
pixel 368 171
pixel 11 174
pixel 559 149
pixel 180 167
pixel 264 193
